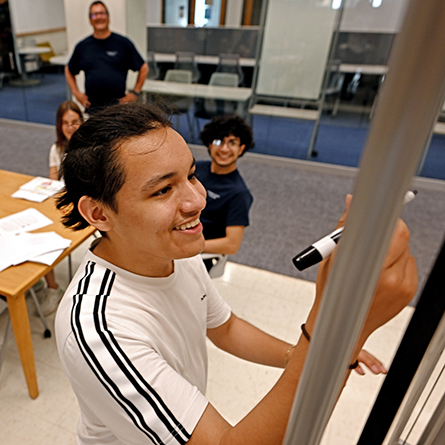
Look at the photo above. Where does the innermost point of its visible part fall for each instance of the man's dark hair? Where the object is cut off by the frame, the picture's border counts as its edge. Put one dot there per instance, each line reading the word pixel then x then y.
pixel 98 3
pixel 222 126
pixel 92 165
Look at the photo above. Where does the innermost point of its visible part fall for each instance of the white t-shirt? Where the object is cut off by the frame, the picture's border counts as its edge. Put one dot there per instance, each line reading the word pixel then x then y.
pixel 134 349
pixel 54 157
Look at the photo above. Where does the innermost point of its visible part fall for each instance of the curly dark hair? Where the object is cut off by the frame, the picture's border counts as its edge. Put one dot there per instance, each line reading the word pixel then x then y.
pixel 222 126
pixel 92 165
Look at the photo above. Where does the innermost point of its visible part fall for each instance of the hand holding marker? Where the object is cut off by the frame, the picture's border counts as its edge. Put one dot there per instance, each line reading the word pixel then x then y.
pixel 321 249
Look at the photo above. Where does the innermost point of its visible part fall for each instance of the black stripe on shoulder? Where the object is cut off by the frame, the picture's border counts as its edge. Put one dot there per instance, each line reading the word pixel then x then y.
pixel 94 364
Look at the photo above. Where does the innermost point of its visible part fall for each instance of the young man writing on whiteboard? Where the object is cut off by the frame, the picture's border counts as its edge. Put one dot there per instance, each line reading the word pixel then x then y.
pixel 132 326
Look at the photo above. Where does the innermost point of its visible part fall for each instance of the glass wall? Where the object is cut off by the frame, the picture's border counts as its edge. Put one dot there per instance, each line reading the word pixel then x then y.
pixel 306 56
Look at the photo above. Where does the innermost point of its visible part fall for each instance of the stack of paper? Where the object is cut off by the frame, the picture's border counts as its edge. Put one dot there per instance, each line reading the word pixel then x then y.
pixel 38 189
pixel 18 246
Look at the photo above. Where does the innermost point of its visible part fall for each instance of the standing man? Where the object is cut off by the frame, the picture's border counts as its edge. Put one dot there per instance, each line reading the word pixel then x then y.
pixel 105 57
pixel 228 199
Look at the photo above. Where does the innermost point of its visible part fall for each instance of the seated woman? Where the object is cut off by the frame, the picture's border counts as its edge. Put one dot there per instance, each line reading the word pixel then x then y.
pixel 68 119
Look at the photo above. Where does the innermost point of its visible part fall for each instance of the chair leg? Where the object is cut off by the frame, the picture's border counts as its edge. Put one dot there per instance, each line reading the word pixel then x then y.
pixel 70 267
pixel 336 105
pixel 47 332
pixel 198 127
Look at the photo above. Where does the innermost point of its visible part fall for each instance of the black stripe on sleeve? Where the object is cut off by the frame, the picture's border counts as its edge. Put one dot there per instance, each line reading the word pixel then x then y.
pixel 122 362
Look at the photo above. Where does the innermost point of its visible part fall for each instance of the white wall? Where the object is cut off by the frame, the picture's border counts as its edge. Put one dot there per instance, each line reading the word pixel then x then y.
pixel 33 16
pixel 153 12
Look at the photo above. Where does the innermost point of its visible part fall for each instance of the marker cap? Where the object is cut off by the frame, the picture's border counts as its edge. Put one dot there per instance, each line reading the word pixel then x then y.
pixel 307 258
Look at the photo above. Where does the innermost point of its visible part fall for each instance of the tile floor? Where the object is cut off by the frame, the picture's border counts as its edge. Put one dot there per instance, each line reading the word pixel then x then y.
pixel 276 303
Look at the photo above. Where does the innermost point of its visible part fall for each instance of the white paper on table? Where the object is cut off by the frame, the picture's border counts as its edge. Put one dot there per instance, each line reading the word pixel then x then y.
pixel 47 258
pixel 38 189
pixel 29 196
pixel 24 221
pixel 16 249
pixel 36 244
pixel 6 245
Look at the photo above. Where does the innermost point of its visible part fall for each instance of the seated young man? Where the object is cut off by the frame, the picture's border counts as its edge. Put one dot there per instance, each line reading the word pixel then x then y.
pixel 228 199
pixel 131 328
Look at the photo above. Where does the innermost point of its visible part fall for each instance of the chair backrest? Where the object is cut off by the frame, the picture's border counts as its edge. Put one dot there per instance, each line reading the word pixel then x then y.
pixel 45 57
pixel 217 106
pixel 153 68
pixel 186 61
pixel 179 104
pixel 229 63
pixel 182 76
pixel 224 79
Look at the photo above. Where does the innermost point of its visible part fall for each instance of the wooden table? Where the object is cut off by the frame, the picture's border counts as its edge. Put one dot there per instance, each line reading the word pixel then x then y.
pixel 16 280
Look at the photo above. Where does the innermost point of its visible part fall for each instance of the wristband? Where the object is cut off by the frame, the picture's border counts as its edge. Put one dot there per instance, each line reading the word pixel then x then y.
pixel 135 93
pixel 308 338
pixel 354 365
pixel 305 332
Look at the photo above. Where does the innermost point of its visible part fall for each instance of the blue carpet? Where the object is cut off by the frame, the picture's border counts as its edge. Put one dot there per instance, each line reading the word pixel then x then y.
pixel 340 140
pixel 36 103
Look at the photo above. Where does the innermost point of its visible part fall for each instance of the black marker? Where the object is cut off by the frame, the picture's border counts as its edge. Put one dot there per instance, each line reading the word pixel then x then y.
pixel 323 248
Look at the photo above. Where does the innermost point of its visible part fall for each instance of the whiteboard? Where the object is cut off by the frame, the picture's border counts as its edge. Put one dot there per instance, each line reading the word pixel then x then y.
pixel 295 48
pixel 37 15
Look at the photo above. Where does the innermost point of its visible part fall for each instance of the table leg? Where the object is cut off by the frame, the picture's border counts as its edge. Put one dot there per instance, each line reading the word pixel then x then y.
pixel 22 332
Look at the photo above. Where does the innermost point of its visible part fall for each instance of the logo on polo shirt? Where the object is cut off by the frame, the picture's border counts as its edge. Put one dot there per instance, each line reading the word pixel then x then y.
pixel 213 195
pixel 112 53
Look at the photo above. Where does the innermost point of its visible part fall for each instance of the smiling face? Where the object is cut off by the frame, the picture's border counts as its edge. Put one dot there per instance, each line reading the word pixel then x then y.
pixel 99 18
pixel 70 123
pixel 158 207
pixel 224 154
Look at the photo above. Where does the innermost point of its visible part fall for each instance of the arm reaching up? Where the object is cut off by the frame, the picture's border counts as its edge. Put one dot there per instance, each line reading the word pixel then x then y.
pixel 266 423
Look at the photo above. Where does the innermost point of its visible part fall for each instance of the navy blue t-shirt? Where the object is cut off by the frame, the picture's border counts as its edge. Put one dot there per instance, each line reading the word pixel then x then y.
pixel 228 201
pixel 106 63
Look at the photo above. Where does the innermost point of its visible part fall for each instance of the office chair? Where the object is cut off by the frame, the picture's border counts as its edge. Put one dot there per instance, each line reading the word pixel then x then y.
pixel 186 61
pixel 153 72
pixel 219 263
pixel 334 90
pixel 208 108
pixel 229 63
pixel 180 104
pixel 45 57
pixel 31 62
